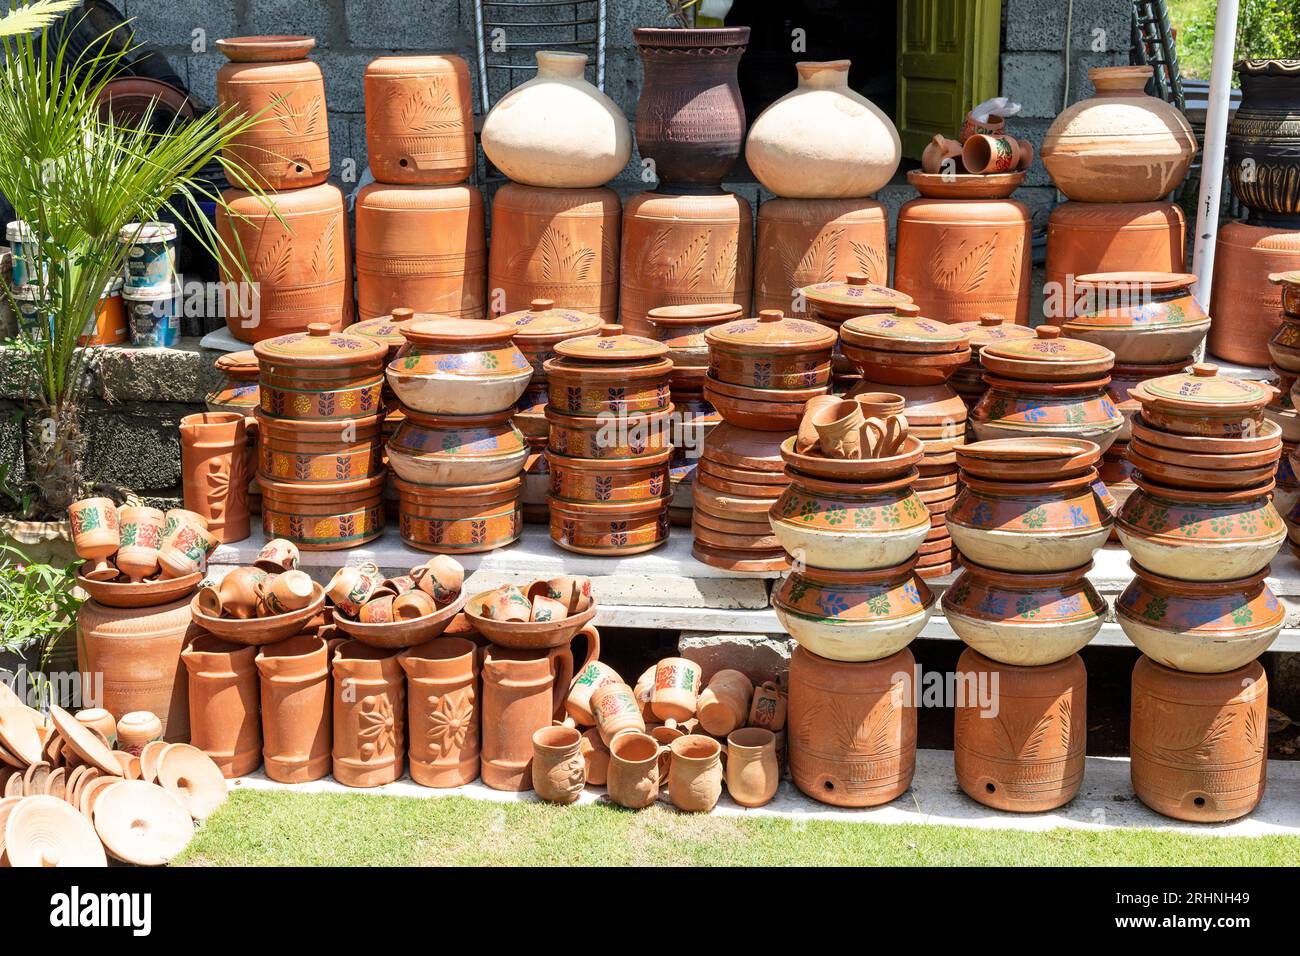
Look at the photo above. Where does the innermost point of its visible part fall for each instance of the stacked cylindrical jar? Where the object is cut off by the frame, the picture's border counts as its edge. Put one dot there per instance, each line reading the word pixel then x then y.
pixel 238 392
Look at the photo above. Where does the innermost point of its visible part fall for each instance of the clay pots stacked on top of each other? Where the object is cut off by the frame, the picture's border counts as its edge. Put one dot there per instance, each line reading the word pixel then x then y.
pixel 833 302
pixel 989 329
pixel 387 331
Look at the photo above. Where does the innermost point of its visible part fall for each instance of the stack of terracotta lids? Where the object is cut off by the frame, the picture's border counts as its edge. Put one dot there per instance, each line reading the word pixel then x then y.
pixel 739 476
pixel 834 302
pixel 990 329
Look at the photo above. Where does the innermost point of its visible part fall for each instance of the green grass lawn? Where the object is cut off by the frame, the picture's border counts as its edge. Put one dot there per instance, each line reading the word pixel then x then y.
pixel 262 828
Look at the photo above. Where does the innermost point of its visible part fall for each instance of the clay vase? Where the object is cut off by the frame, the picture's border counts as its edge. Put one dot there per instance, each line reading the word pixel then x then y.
pixel 442 693
pixel 223 698
pixel 695 773
pixel 557 130
pixel 422 248
pixel 213 478
pixel 138 652
pixel 270 77
pixel 1198 743
pixel 823 140
pixel 683 250
pixel 1245 307
pixel 137 728
pixel 852 728
pixel 753 773
pixel 419 119
pixel 369 715
pixel 558 771
pixel 634 761
pixel 1119 145
pixel 295 248
pixel 1263 159
pixel 295 690
pixel 95 535
pixel 724 704
pixel 139 541
pixel 1021 749
pixel 690 118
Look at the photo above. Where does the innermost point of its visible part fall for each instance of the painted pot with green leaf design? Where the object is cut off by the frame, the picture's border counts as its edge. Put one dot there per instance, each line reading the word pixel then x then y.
pixel 1204 627
pixel 1017 409
pixel 854 615
pixel 1143 317
pixel 457 449
pixel 1024 619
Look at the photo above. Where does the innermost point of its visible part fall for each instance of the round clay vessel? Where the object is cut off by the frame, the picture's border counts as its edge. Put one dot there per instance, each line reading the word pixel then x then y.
pixel 460 519
pixel 1143 317
pixel 629 479
pixel 1203 402
pixel 320 375
pixel 435 449
pixel 1125 378
pixel 329 450
pixel 1028 459
pixel 1262 156
pixel 591 437
pixel 328 516
pixel 610 373
pixel 753 773
pixel 459 367
pixel 613 528
pixel 237 390
pixel 695 773
pixel 419 119
pixel 1245 306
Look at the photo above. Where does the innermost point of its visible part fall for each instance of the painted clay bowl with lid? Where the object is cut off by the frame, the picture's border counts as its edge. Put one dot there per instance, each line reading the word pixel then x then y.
pixel 403 633
pixel 1047 358
pixel 1143 317
pixel 324 516
pixel 1200 535
pixel 771 351
pixel 855 470
pixel 1201 627
pixel 238 389
pixel 965 185
pixel 833 302
pixel 626 479
pixel 540 327
pixel 1124 378
pixel 1028 459
pixel 1019 409
pixel 990 329
pixel 682 328
pixel 904 348
pixel 320 374
pixel 854 615
pixel 460 519
pixel 1221 470
pixel 457 449
pixel 320 451
pixel 609 528
pixel 604 437
pixel 609 374
pixel 1203 402
pixel 1024 619
pixel 387 330
pixel 255 631
pixel 459 367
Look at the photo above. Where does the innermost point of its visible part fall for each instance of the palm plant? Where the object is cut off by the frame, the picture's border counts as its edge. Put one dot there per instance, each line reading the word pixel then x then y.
pixel 34 16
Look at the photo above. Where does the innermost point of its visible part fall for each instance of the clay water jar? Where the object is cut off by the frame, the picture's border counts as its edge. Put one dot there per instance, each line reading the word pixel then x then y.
pixel 1198 743
pixel 695 773
pixel 460 519
pixel 852 728
pixel 634 771
pixel 369 703
pixel 724 704
pixel 771 352
pixel 213 471
pixel 223 697
pixel 294 678
pixel 558 771
pixel 1143 317
pixel 608 528
pixel 443 700
pixel 628 479
pixel 319 375
pixel 431 449
pixel 95 535
pixel 320 451
pixel 1030 757
pixel 459 367
pixel 324 516
pixel 419 122
pixel 1245 305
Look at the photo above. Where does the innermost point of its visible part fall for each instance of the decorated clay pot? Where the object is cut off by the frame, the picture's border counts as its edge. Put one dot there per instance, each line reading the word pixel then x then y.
pixel 1245 306
pixel 1145 318
pixel 609 528
pixel 320 451
pixel 1203 402
pixel 419 122
pixel 724 704
pixel 1284 346
pixel 771 352
pixel 610 480
pixel 295 697
pixel 609 374
pixel 753 773
pixel 695 773
pixel 904 348
pixel 457 449
pixel 324 516
pixel 990 329
pixel 1262 157
pixel 1020 409
pixel 223 698
pixel 95 535
pixel 319 375
pixel 1125 378
pixel 460 519
pixel 139 541
pixel 369 715
pixel 237 390
pixel 443 701
pixel 604 437
pixel 542 326
pixel 459 367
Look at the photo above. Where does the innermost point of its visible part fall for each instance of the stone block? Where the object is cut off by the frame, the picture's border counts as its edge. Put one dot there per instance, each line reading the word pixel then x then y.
pixel 344 79
pixel 182 374
pixel 173 22
pixel 200 72
pixel 409 25
pixel 135 446
pixel 1040 25
pixel 761 657
pixel 318 18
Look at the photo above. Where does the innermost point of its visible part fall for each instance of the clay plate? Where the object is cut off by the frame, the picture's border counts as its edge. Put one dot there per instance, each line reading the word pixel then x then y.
pixel 256 631
pixel 860 470
pixel 1028 459
pixel 266 49
pixel 43 831
pixel 189 774
pixel 965 185
pixel 745 562
pixel 402 633
pixel 141 823
pixel 527 635
pixel 1270 434
pixel 145 594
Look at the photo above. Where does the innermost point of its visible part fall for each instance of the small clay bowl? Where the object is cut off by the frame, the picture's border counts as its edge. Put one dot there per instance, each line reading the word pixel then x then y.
pixel 1267 436
pixel 1028 459
pixel 124 594
pixel 745 562
pixel 965 185
pixel 395 634
pixel 859 470
pixel 256 631
pixel 527 635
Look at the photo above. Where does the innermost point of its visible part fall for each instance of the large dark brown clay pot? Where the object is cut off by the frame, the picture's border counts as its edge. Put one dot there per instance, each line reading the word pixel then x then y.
pixel 295 684
pixel 214 477
pixel 223 698
pixel 369 715
pixel 1263 147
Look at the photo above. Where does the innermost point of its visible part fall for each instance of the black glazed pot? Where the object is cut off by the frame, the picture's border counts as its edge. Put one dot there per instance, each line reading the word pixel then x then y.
pixel 1264 142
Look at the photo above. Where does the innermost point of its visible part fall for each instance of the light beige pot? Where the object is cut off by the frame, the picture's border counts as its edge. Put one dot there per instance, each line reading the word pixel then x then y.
pixel 1023 645
pixel 1203 560
pixel 856 640
pixel 1197 655
pixel 1034 554
pixel 849 550
pixel 450 394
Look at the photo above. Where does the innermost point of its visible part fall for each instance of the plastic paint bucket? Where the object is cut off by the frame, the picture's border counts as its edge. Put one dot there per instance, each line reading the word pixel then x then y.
pixel 153 315
pixel 151 254
pixel 109 326
pixel 31 323
pixel 26 252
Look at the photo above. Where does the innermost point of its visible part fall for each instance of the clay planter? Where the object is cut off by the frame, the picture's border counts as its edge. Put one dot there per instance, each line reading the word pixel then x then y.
pixel 460 519
pixel 421 248
pixel 1017 409
pixel 324 516
pixel 319 375
pixel 457 449
pixel 604 437
pixel 1029 757
pixel 419 122
pixel 609 374
pixel 695 773
pixel 320 451
pixel 854 615
pixel 1203 402
pixel 1244 305
pixel 1143 317
pixel 770 352
pixel 295 691
pixel 557 244
pixel 630 479
pixel 270 77
pixel 852 729
pixel 1198 743
pixel 459 367
pixel 823 140
pixel 223 699
pixel 237 391
pixel 904 348
pixel 1263 161
pixel 1024 619
pixel 614 528
pixel 1119 145
pixel 690 118
pixel 634 761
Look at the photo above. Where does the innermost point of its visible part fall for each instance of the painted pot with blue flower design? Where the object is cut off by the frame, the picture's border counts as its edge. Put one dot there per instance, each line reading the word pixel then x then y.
pixel 457 449
pixel 771 351
pixel 1143 317
pixel 1024 619
pixel 1016 409
pixel 459 367
pixel 854 615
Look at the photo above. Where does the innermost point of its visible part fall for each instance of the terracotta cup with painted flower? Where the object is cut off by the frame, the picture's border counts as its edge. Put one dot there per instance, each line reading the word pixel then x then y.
pixel 547 609
pixel 140 531
pixel 507 604
pixel 186 550
pixel 590 679
pixel 441 577
pixel 95 535
pixel 377 610
pixel 277 555
pixel 677 684
pixel 617 711
pixel 351 586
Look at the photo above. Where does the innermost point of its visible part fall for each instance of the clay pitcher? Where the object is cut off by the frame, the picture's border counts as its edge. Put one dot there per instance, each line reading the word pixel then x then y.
pixel 295 684
pixel 695 773
pixel 224 719
pixel 213 458
pixel 443 699
pixel 369 715
pixel 724 705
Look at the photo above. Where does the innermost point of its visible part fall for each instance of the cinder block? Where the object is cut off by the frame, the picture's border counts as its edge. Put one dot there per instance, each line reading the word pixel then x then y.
pixel 181 374
pixel 761 657
pixel 136 446
pixel 315 18
pixel 172 22
pixel 1040 25
pixel 409 25
pixel 344 79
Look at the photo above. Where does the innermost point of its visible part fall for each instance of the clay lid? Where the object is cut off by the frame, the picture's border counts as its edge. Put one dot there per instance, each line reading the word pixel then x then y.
pixel 1047 357
pixel 241 364
pixel 700 313
pixel 611 345
pixel 191 776
pixel 141 823
pixel 457 333
pixel 319 347
pixel 1203 390
pixel 1139 281
pixel 1285 278
pixel 84 742
pixel 266 49
pixel 386 330
pixel 542 323
pixel 18 734
pixel 852 296
pixel 992 328
pixel 1028 459
pixel 45 831
pixel 904 331
pixel 738 447
pixel 771 332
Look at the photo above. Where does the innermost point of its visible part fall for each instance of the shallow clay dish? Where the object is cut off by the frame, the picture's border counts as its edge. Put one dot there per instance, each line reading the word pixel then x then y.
pixel 256 631
pixel 527 635
pixel 749 562
pixel 402 633
pixel 141 823
pixel 84 742
pixel 19 736
pixel 1028 459
pixel 145 594
pixel 42 831
pixel 965 185
pixel 1269 436
pixel 1180 476
pixel 192 777
pixel 265 49
pixel 858 470
pixel 90 793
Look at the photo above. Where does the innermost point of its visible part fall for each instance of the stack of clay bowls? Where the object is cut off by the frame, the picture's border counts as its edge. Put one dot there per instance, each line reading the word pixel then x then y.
pixel 609 414
pixel 1284 349
pixel 990 329
pixel 832 303
pixel 1027 522
pixel 738 478
pixel 457 453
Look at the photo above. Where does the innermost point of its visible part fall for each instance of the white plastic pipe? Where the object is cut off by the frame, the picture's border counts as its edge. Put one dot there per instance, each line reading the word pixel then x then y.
pixel 1216 136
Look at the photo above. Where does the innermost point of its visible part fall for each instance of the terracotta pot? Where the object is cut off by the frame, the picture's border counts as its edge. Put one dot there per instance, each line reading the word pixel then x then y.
pixel 237 391
pixel 753 772
pixel 1119 145
pixel 602 438
pixel 324 516
pixel 369 716
pixel 319 451
pixel 608 528
pixel 319 375
pixel 1263 161
pixel 683 250
pixel 617 712
pixel 852 730
pixel 771 352
pixel 457 449
pixel 609 373
pixel 858 294
pixel 270 77
pixel 690 119
pixel 634 761
pixel 95 535
pixel 540 328
pixel 1143 317
pixel 295 247
pixel 460 519
pixel 1026 620
pixel 442 691
pixel 904 348
pixel 1202 402
pixel 631 479
pixel 724 703
pixel 459 367
pixel 295 690
pixel 1244 305
pixel 1198 743
pixel 422 248
pixel 1027 756
pixel 1214 472
pixel 823 140
pixel 215 484
pixel 1016 409
pixel 1020 460
pixel 1125 378
pixel 558 771
pixel 137 728
pixel 419 122
pixel 139 541
pixel 695 773
pixel 223 701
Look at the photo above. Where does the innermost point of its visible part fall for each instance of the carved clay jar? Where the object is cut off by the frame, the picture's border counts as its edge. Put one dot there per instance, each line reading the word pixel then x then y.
pixel 695 773
pixel 295 247
pixel 609 528
pixel 1143 317
pixel 324 516
pixel 270 77
pixel 989 329
pixel 223 697
pixel 538 329
pixel 1029 758
pixel 320 451
pixel 771 352
pixel 1024 619
pixel 1244 305
pixel 214 478
pixel 1263 148
pixel 460 518
pixel 319 375
pixel 1201 627
pixel 1204 403
pixel 369 715
pixel 1119 145
pixel 459 367
pixel 237 391
pixel 557 130
pixel 852 728
pixel 823 140
pixel 690 119
pixel 612 480
pixel 854 615
pixel 1198 743
pixel 421 248
pixel 419 119
pixel 457 449
pixel 609 374
pixel 904 348
pixel 1125 378
pixel 294 677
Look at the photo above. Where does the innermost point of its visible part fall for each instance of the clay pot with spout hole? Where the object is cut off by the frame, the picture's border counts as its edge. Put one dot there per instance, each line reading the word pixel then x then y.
pixel 369 715
pixel 442 692
pixel 294 677
pixel 419 119
pixel 223 697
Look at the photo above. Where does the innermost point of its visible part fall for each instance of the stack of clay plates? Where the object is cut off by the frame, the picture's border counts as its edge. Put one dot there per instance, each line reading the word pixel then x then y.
pixel 738 477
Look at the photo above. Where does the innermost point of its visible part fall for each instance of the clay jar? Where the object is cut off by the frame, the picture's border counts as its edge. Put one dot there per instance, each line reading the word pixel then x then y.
pixel 1198 743
pixel 724 704
pixel 634 761
pixel 1024 619
pixel 460 518
pixel 1029 758
pixel 1143 317
pixel 295 247
pixel 609 374
pixel 237 390
pixel 441 684
pixel 270 77
pixel 324 516
pixel 419 122
pixel 459 367
pixel 1203 402
pixel 557 770
pixel 695 773
pixel 823 140
pixel 320 451
pixel 369 715
pixel 422 248
pixel 852 728
pixel 1261 140
pixel 989 329
pixel 1119 145
pixel 223 698
pixel 457 449
pixel 904 348
pixel 771 352
pixel 213 476
pixel 320 375
pixel 1245 306
pixel 295 697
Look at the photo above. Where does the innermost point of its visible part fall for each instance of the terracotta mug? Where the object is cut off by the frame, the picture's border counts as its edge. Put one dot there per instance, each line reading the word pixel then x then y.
pixel 644 690
pixel 806 440
pixel 186 550
pixel 351 587
pixel 290 591
pixel 210 600
pixel 677 682
pixel 768 707
pixel 413 605
pixel 546 609
pixel 179 516
pixel 507 604
pixel 572 591
pixel 634 765
pixel 595 755
pixel 839 429
pixel 880 404
pixel 377 610
pixel 591 678
pixel 753 773
pixel 398 585
pixel 671 729
pixel 616 711
pixel 277 555
pixel 695 773
pixel 95 536
pixel 724 705
pixel 441 577
pixel 983 154
pixel 139 540
pixel 241 593
pixel 559 771
pixel 937 152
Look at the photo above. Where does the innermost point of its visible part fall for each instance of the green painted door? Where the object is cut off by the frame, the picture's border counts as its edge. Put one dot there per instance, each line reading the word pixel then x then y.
pixel 947 62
